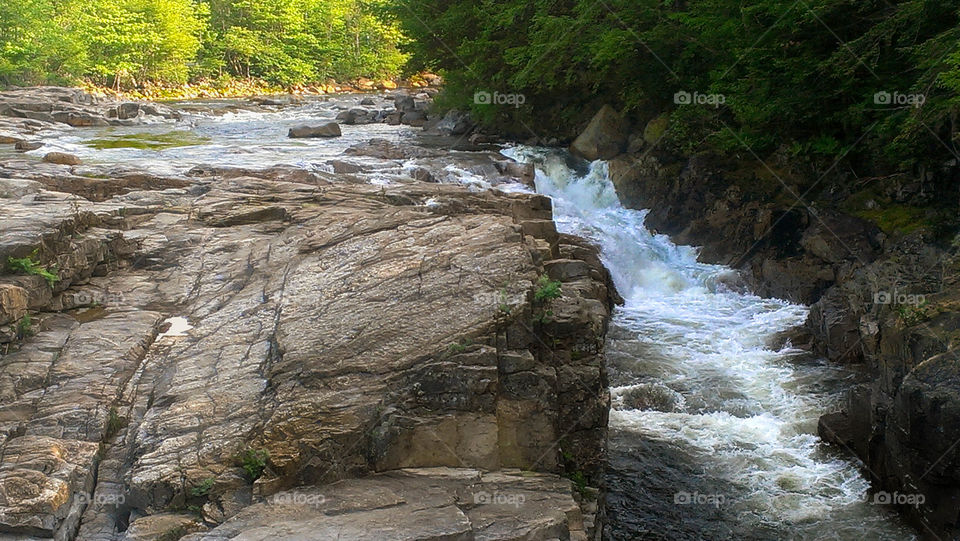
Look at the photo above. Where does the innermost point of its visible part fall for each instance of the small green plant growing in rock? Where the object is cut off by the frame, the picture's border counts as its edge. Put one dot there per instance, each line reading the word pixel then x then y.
pixel 114 423
pixel 504 305
pixel 203 489
pixel 915 315
pixel 27 265
pixel 173 534
pixel 547 290
pixel 253 462
pixel 579 482
pixel 461 346
pixel 25 326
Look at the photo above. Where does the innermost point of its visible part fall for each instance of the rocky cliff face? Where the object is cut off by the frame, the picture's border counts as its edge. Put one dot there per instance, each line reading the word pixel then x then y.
pixel 264 355
pixel 883 297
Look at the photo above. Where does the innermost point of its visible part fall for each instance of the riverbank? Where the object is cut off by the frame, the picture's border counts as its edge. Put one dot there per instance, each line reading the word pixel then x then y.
pixel 332 348
pixel 233 88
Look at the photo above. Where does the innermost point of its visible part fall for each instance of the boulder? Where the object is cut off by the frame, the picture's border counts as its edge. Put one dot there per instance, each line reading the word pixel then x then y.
pixel 330 129
pixel 453 123
pixel 405 103
pixel 128 110
pixel 414 118
pixel 604 138
pixel 61 158
pixel 26 146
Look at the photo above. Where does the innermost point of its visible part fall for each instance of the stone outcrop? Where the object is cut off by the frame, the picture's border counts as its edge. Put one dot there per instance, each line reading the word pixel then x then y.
pixel 434 503
pixel 198 348
pixel 36 109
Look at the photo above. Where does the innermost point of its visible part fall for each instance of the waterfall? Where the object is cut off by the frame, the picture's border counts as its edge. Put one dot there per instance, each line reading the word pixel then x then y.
pixel 713 427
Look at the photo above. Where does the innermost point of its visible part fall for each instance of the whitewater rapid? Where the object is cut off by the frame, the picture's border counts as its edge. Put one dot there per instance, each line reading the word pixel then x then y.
pixel 713 426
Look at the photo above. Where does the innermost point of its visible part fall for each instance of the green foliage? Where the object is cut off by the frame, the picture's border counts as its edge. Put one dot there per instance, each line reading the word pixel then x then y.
pixel 27 265
pixel 114 423
pixel 125 43
pixel 579 482
pixel 25 326
pixel 911 315
pixel 547 289
pixel 203 489
pixel 253 462
pixel 793 75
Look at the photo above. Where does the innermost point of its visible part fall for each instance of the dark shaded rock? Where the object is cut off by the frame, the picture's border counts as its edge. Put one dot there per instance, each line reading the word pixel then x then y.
pixel 453 123
pixel 128 110
pixel 604 138
pixel 414 118
pixel 405 103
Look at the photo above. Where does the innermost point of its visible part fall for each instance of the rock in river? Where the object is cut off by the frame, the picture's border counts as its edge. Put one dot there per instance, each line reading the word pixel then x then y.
pixel 61 158
pixel 330 129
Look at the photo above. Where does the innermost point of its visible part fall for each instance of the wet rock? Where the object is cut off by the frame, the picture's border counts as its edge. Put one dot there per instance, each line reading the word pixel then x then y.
pixel 405 103
pixel 453 123
pixel 330 129
pixel 61 158
pixel 344 167
pixel 26 146
pixel 384 149
pixel 422 174
pixel 368 101
pixel 357 116
pixel 79 119
pixel 414 118
pixel 604 138
pixel 9 138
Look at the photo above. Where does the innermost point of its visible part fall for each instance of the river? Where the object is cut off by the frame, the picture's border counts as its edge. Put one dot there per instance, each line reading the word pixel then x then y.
pixel 713 429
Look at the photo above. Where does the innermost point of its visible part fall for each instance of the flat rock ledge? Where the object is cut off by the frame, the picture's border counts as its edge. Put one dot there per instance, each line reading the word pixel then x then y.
pixel 259 355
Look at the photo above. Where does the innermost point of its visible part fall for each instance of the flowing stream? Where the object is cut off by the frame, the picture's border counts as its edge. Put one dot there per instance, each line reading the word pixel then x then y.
pixel 712 429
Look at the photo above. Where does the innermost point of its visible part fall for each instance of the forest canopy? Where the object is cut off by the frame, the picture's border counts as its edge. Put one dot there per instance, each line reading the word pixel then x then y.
pixel 126 42
pixel 876 79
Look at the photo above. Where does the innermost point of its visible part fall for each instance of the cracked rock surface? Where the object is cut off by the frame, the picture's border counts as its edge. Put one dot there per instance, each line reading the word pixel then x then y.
pixel 260 355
